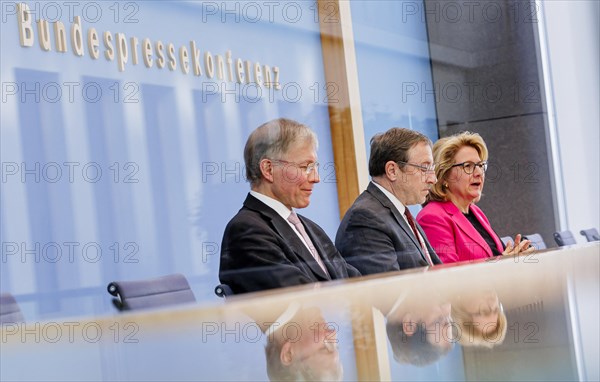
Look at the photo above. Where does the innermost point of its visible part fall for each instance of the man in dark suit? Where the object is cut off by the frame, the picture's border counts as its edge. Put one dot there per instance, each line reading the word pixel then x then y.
pixel 267 245
pixel 378 233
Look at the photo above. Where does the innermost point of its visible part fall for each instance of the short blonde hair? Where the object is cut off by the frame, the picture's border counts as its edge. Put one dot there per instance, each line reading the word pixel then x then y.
pixel 444 151
pixel 470 334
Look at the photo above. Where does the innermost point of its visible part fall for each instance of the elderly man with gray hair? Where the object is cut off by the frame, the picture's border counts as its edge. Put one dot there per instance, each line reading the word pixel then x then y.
pixel 267 245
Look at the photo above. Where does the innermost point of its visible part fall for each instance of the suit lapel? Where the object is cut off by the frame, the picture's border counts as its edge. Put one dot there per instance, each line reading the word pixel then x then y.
pixel 297 245
pixel 465 225
pixel 432 254
pixel 287 232
pixel 386 202
pixel 484 222
pixel 320 250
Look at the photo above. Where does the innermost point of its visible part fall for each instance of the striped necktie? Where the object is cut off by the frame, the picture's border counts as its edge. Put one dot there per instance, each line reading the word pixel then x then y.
pixel 293 218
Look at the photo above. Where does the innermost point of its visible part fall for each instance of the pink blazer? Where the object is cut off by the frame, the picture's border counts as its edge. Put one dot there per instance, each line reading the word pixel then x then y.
pixel 452 236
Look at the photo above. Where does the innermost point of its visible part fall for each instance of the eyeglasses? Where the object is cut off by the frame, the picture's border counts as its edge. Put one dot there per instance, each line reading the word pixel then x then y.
pixel 430 168
pixel 306 168
pixel 469 167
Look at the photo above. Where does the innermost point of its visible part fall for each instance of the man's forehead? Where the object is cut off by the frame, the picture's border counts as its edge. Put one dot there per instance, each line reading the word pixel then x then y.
pixel 301 148
pixel 303 144
pixel 420 151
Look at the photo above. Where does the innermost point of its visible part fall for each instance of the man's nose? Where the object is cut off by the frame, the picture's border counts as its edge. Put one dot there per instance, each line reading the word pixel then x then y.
pixel 314 176
pixel 431 178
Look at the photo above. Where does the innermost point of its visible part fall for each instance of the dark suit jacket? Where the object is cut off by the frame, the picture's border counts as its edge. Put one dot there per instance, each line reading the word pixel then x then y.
pixel 375 238
pixel 260 250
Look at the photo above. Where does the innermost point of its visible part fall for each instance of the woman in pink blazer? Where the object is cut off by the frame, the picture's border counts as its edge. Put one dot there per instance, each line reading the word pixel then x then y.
pixel 457 229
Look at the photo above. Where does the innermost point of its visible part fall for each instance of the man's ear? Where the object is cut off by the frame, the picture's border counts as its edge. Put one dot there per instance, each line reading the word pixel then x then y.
pixel 286 355
pixel 409 327
pixel 266 169
pixel 391 170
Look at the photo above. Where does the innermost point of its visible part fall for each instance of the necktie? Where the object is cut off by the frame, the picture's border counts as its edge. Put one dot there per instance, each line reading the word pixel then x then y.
pixel 293 218
pixel 411 222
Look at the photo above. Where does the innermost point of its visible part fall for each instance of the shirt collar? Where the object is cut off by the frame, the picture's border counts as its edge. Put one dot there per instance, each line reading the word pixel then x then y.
pixel 282 320
pixel 279 207
pixel 399 206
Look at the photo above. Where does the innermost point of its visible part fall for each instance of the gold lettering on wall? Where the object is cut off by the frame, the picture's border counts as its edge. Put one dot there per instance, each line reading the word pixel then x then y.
pixel 122 47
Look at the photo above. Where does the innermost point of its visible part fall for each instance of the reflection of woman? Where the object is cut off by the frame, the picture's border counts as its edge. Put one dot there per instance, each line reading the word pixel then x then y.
pixel 479 320
pixel 457 229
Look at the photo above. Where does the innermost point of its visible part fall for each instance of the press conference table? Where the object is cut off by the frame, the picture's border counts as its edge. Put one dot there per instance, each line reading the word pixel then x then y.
pixel 342 330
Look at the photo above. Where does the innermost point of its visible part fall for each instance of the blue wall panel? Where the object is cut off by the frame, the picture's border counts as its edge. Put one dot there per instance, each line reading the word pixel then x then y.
pixel 394 68
pixel 150 159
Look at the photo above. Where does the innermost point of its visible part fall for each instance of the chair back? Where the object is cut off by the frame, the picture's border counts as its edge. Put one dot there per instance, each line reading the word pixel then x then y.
pixel 151 293
pixel 536 240
pixel 591 234
pixel 10 313
pixel 564 238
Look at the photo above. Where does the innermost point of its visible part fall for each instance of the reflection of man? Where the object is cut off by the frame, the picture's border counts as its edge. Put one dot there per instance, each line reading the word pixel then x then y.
pixel 420 331
pixel 302 346
pixel 267 245
pixel 378 233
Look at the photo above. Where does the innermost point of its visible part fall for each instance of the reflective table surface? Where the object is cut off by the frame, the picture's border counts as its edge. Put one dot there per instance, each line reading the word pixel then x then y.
pixel 531 317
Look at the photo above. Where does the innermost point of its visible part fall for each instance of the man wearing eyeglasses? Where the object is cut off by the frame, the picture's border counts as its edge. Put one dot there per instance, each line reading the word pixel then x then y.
pixel 309 354
pixel 267 245
pixel 378 233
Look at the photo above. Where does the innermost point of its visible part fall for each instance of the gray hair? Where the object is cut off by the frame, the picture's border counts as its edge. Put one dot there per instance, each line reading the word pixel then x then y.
pixel 273 140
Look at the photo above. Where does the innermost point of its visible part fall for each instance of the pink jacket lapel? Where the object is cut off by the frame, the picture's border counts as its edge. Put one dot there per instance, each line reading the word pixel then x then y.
pixel 488 227
pixel 467 228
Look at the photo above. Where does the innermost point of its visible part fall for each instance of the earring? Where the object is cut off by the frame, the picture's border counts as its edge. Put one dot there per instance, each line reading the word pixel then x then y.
pixel 446 185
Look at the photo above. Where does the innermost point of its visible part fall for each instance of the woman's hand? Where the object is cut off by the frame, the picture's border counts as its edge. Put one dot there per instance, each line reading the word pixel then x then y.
pixel 518 247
